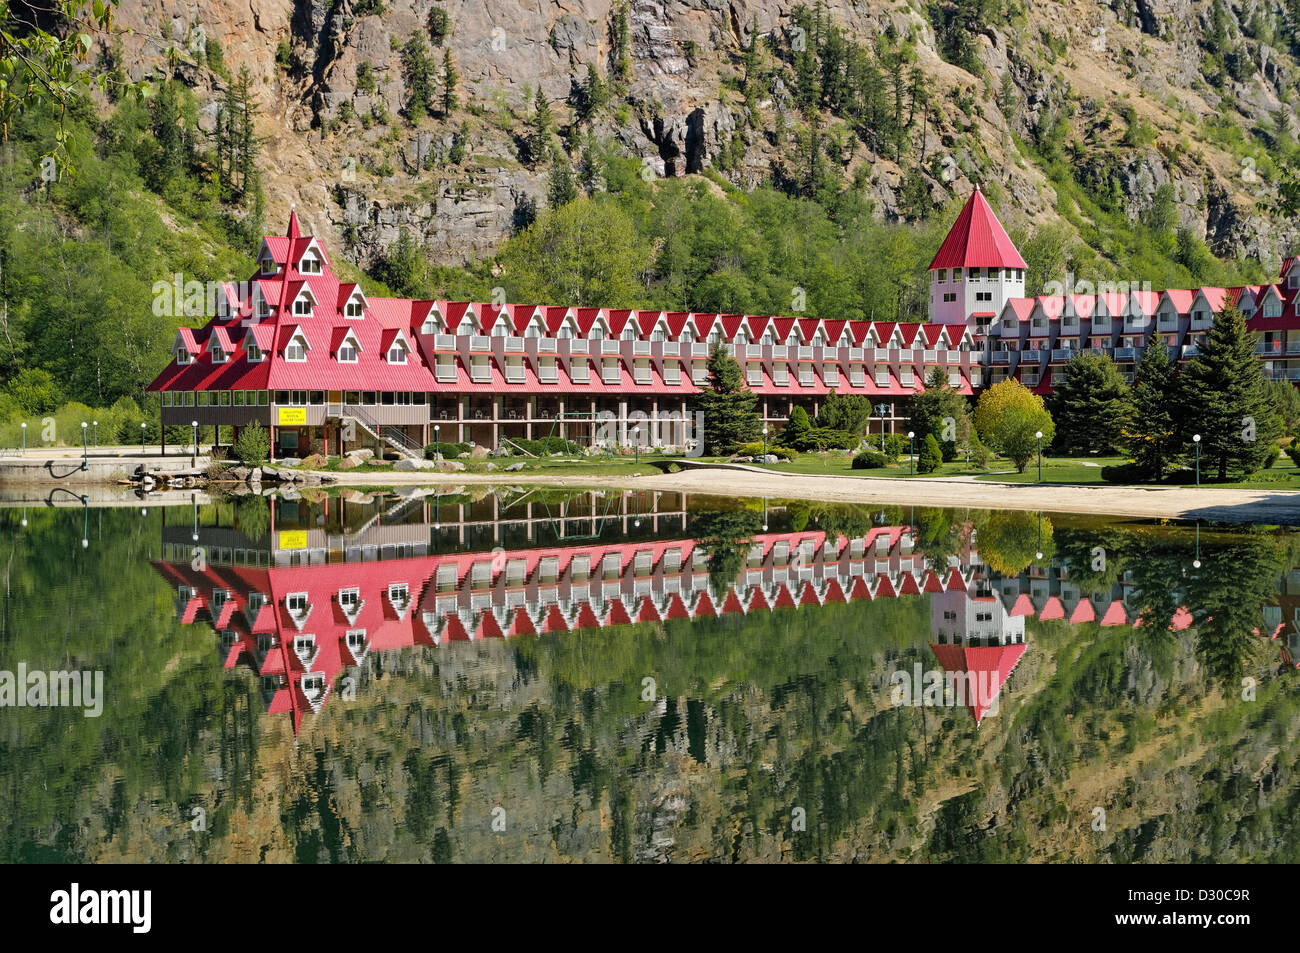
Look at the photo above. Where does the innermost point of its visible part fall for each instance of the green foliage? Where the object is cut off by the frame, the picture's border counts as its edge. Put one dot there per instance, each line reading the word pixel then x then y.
pixel 560 187
pixel 545 446
pixel 1285 399
pixel 450 79
pixel 849 413
pixel 403 266
pixel 1151 431
pixel 757 449
pixel 931 457
pixel 1091 405
pixel 938 410
pixel 33 390
pixel 1221 396
pixel 419 74
pixel 869 460
pixel 797 427
pixel 449 450
pixel 730 417
pixel 439 23
pixel 1008 417
pixel 253 445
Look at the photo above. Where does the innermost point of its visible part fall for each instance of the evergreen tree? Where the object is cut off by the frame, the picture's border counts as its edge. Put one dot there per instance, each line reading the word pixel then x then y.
pixel 560 188
pixel 540 128
pixel 1223 398
pixel 1150 435
pixel 418 71
pixel 934 408
pixel 796 428
pixel 592 94
pixel 728 405
pixel 449 80
pixel 1090 406
pixel 930 457
pixel 850 414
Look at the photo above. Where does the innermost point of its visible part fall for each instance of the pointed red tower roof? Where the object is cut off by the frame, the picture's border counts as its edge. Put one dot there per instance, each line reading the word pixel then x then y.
pixel 293 223
pixel 977 240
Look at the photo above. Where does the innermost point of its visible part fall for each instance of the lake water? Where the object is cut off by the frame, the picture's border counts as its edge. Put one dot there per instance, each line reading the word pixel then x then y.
pixel 549 675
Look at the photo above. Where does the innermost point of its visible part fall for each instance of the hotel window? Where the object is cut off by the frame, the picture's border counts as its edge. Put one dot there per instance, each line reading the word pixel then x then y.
pixel 263 308
pixel 295 351
pixel 189 398
pixel 533 331
pixel 183 356
pixel 687 335
pixel 218 355
pixel 943 274
pixel 167 398
pixel 239 398
pixel 949 297
pixel 302 306
pixel 223 398
pixel 203 398
pixel 956 274
pixel 268 265
pixel 353 309
pixel 262 398
pixel 597 333
pixel 397 354
pixel 984 296
pixel 310 265
pixel 347 353
pixel 1273 309
pixel 975 274
pixel 565 333
pixel 253 353
pixel 629 333
pixel 430 325
pixel 465 328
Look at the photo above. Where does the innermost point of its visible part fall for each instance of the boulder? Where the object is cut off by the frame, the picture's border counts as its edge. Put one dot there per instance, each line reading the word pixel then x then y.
pixel 477 452
pixel 502 451
pixel 463 456
pixel 290 461
pixel 514 468
pixel 362 454
pixel 406 466
pixel 349 463
pixel 240 473
pixel 311 479
pixel 489 466
pixel 315 461
pixel 451 466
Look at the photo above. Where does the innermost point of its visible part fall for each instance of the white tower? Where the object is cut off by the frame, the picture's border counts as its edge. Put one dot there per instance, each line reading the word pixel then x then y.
pixel 976 270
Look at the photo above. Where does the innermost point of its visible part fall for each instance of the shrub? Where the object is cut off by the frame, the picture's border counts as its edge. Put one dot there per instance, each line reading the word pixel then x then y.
pixel 931 457
pixel 1123 473
pixel 1273 453
pixel 254 445
pixel 869 460
pixel 757 449
pixel 546 446
pixel 821 438
pixel 449 451
pixel 1293 451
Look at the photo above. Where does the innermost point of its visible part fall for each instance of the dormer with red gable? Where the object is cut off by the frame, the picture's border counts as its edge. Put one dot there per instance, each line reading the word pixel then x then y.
pixel 977 268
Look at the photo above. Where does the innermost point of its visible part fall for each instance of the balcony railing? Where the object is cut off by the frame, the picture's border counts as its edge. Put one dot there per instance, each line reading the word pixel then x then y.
pixel 1268 347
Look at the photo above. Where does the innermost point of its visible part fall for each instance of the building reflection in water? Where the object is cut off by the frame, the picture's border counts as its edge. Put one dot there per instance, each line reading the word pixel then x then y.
pixel 307 595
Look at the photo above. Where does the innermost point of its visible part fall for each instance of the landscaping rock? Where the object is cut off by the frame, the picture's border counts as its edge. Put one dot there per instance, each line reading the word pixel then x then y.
pixel 489 466
pixel 477 452
pixel 770 458
pixel 349 463
pixel 501 452
pixel 514 468
pixel 406 466
pixel 362 454
pixel 315 461
pixel 451 466
pixel 240 473
pixel 463 456
pixel 290 461
pixel 311 479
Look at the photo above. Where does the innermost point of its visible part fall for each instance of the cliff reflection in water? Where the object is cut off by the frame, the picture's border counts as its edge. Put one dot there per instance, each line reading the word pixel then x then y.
pixel 304 593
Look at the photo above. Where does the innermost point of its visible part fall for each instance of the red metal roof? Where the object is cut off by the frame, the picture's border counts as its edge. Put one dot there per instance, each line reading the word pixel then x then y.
pixel 977 240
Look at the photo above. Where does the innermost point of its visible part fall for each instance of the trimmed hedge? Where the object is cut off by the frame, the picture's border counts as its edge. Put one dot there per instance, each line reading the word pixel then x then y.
pixel 869 460
pixel 449 451
pixel 757 450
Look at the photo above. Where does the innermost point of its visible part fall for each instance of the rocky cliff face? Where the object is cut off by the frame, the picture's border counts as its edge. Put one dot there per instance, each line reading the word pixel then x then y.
pixel 359 173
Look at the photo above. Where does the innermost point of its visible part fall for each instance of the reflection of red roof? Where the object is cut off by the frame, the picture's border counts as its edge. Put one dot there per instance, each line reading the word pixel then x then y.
pixel 990 666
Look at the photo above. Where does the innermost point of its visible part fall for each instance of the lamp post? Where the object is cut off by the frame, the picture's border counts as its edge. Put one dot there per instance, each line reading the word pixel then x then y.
pixel 1196 563
pixel 143 427
pixel 1039 436
pixel 1196 439
pixel 194 457
pixel 636 444
pixel 24 426
pixel 96 426
pixel 437 444
pixel 911 451
pixel 85 453
pixel 765 442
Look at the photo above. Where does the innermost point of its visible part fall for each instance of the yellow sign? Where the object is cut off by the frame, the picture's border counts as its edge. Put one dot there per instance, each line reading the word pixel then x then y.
pixel 293 539
pixel 291 416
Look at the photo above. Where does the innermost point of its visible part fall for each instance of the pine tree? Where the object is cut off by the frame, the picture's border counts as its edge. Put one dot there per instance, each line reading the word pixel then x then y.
pixel 540 127
pixel 752 60
pixel 931 457
pixel 418 72
pixel 560 188
pixel 1090 406
pixel 939 410
pixel 796 428
pixel 1224 400
pixel 728 405
pixel 1150 434
pixel 449 80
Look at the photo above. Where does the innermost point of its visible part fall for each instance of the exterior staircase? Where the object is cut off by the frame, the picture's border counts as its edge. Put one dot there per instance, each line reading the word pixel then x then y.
pixel 389 437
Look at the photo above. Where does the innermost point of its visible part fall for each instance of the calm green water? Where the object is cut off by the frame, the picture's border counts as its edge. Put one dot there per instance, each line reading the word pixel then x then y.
pixel 543 675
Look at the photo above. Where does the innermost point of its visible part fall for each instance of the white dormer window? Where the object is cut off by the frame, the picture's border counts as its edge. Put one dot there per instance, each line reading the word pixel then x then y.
pixel 296 349
pixel 350 602
pixel 397 353
pixel 466 328
pixel 310 263
pixel 263 307
pixel 1273 309
pixel 629 332
pixel 564 333
pixel 399 594
pixel 217 354
pixel 268 265
pixel 659 335
pixel 1293 280
pixel 688 335
pixel 355 308
pixel 302 306
pixel 252 352
pixel 348 352
pixel 304 646
pixel 183 356
pixel 532 331
pixel 298 606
